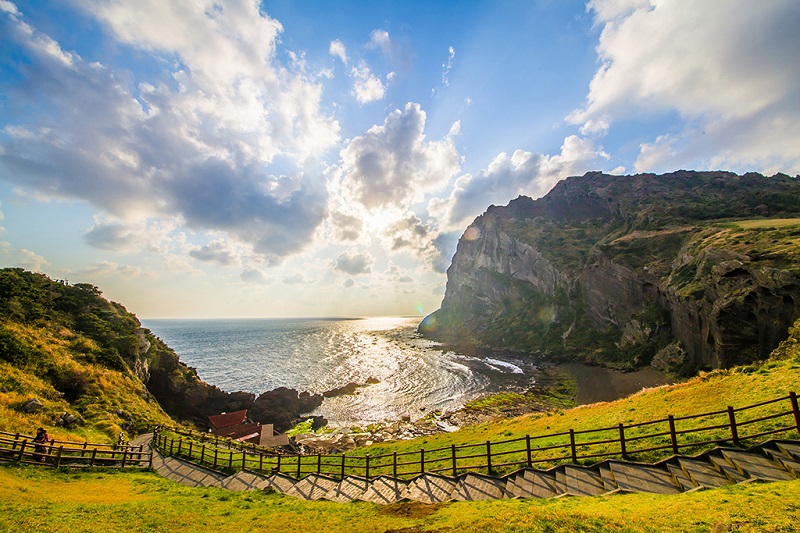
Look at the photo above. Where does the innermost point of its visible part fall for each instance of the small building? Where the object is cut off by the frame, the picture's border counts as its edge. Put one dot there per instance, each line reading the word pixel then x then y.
pixel 238 427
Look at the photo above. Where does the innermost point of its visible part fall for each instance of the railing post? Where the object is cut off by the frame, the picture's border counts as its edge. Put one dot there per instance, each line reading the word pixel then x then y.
pixel 124 457
pixel 343 459
pixel 190 451
pixel 230 458
pixel 58 457
pixel 83 451
pixel 171 446
pixel 299 457
pixel 734 430
pixel 94 454
pixel 573 449
pixel 795 410
pixel 260 462
pixel 244 459
pixel 622 447
pixel 16 439
pixel 22 450
pixel 319 463
pixel 203 453
pixel 366 470
pixel 180 445
pixel 453 454
pixel 489 457
pixel 422 460
pixel 278 466
pixel 673 435
pixel 150 460
pixel 528 449
pixel 394 464
pixel 216 453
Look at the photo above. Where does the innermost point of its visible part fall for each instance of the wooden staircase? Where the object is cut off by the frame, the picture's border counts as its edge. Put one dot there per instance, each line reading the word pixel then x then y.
pixel 775 460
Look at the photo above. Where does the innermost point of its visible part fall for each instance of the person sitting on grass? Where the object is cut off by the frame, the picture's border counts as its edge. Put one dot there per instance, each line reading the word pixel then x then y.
pixel 40 444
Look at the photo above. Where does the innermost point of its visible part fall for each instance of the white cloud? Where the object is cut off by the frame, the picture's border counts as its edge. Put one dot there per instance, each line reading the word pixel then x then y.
pixel 446 67
pixel 380 39
pixel 218 252
pixel 196 141
pixel 367 87
pixel 722 65
pixel 110 269
pixel 507 177
pixel 392 165
pixel 354 263
pixel 337 49
pixel 254 275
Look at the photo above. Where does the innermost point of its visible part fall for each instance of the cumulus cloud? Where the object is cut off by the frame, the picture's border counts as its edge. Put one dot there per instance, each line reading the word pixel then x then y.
pixel 367 87
pixel 218 252
pixel 195 143
pixel 346 227
pixel 391 165
pixel 337 49
pixel 354 263
pixel 254 275
pixel 297 279
pixel 509 176
pixel 720 64
pixel 349 283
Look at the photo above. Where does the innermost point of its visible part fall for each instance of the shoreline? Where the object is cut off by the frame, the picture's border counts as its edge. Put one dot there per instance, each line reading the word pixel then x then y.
pixel 560 386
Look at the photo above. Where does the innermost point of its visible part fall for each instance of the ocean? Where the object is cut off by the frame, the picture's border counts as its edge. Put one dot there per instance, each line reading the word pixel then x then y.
pixel 414 375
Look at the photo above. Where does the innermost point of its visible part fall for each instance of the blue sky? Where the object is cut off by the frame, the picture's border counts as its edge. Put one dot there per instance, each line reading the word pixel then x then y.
pixel 307 158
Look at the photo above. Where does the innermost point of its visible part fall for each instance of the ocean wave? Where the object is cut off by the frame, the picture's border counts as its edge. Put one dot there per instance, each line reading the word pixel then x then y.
pixel 494 363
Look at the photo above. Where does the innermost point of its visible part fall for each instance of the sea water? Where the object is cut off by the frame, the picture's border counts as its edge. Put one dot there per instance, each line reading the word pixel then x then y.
pixel 415 375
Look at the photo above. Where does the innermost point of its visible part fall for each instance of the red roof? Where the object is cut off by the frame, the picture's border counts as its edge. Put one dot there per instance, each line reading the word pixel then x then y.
pixel 227 419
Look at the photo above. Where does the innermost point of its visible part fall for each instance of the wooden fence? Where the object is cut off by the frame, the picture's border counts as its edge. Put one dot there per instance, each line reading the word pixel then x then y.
pixel 15 447
pixel 671 434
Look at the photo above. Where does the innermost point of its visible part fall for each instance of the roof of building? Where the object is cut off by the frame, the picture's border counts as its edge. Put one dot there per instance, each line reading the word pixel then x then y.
pixel 227 419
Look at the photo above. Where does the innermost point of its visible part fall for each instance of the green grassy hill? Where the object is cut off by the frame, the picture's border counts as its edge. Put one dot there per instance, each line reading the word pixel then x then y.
pixel 64 500
pixel 92 368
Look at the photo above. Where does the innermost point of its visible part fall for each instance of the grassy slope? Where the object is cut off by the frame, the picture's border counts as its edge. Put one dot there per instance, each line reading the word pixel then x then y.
pixel 55 501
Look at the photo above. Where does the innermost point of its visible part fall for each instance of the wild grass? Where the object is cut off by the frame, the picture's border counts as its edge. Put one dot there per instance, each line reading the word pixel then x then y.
pixel 98 501
pixel 767 223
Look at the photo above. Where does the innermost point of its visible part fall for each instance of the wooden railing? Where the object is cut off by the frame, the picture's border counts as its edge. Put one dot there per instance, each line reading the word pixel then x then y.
pixel 15 447
pixel 671 434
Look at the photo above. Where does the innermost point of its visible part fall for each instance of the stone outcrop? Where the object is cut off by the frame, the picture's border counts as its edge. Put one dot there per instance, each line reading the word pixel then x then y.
pixel 617 268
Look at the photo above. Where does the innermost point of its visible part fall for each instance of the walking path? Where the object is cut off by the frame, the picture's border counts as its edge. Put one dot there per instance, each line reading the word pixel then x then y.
pixel 772 461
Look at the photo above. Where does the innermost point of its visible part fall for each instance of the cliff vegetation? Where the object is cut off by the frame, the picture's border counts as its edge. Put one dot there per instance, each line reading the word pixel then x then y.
pixel 683 271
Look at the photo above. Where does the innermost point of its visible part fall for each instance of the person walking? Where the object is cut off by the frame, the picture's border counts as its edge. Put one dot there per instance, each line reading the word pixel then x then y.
pixel 40 444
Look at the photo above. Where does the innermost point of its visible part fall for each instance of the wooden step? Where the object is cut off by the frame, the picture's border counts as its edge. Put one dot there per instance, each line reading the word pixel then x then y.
pixel 538 484
pixel 609 482
pixel 385 490
pixel 792 448
pixel 313 487
pixel 280 483
pixel 348 489
pixel 727 468
pixel 577 481
pixel 244 480
pixel 703 473
pixel 786 460
pixel 757 466
pixel 643 478
pixel 430 488
pixel 681 477
pixel 475 487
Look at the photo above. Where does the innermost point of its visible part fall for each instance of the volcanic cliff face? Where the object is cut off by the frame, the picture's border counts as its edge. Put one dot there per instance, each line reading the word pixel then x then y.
pixel 685 270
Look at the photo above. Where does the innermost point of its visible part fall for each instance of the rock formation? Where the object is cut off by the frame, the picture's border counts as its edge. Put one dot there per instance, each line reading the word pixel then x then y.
pixel 626 270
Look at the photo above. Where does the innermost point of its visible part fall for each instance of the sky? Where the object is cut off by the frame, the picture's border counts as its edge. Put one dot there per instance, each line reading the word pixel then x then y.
pixel 207 159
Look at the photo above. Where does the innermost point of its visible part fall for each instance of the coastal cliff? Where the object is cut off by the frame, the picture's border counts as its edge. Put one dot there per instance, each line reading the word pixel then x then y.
pixel 684 271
